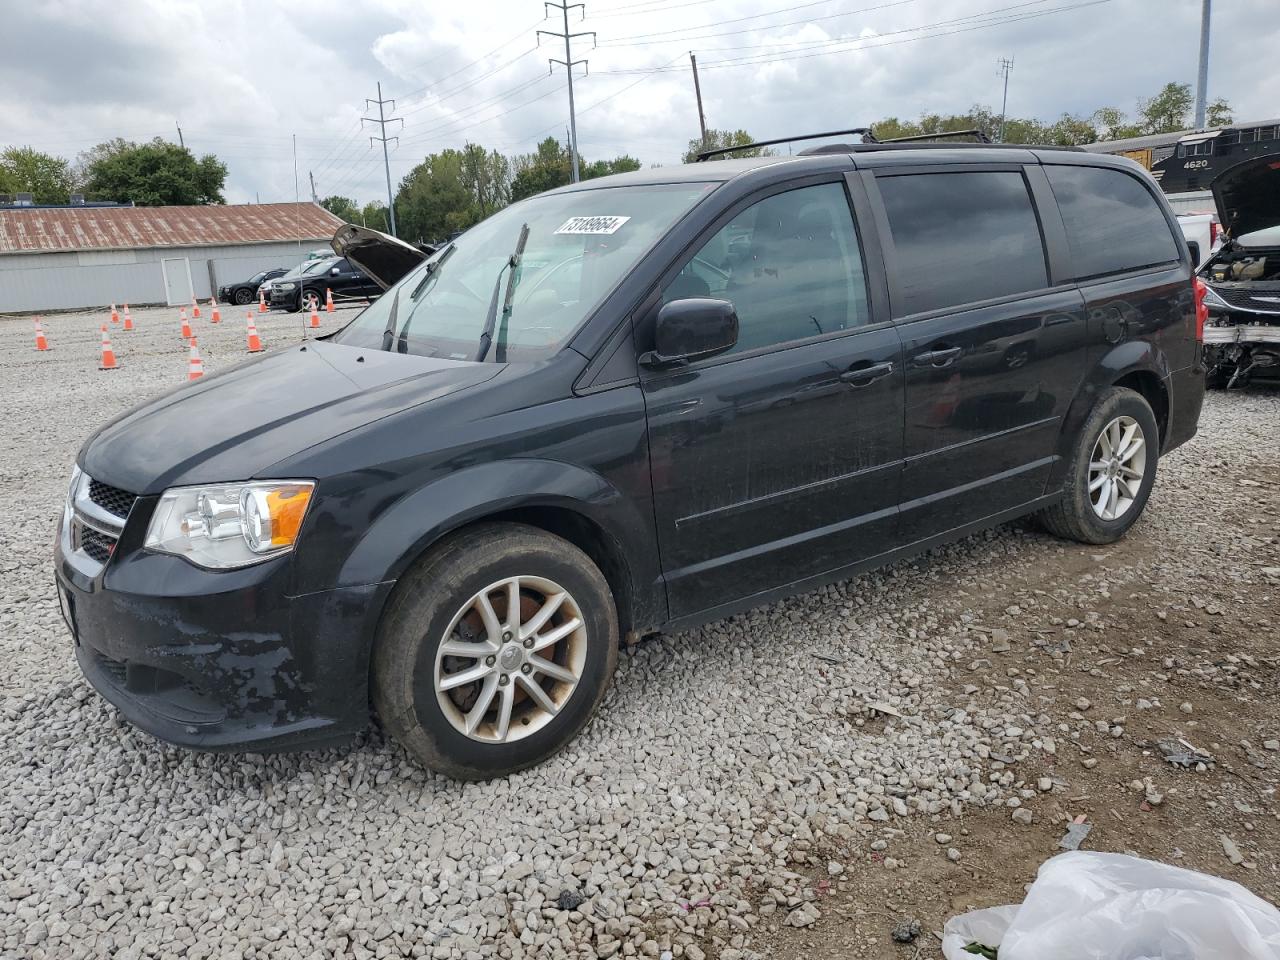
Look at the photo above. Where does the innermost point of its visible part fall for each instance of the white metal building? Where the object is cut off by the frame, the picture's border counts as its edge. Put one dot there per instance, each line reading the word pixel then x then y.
pixel 61 258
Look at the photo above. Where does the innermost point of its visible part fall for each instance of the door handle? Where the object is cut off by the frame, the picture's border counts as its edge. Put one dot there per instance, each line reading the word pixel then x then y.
pixel 941 357
pixel 863 376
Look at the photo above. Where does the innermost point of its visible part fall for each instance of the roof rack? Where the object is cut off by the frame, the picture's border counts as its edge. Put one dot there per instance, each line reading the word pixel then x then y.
pixel 867 137
pixel 869 141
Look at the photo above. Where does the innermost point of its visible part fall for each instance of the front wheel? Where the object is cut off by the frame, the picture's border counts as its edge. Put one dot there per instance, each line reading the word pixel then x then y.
pixel 311 300
pixel 243 296
pixel 1110 473
pixel 496 649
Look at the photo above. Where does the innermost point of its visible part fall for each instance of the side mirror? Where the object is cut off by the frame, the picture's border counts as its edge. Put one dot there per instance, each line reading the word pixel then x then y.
pixel 334 271
pixel 692 329
pixel 1194 247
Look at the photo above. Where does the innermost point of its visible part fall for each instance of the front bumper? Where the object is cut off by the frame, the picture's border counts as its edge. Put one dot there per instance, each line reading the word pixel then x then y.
pixel 284 298
pixel 219 660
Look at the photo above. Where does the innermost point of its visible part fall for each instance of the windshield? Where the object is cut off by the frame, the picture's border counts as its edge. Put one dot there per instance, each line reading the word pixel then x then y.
pixel 579 246
pixel 258 277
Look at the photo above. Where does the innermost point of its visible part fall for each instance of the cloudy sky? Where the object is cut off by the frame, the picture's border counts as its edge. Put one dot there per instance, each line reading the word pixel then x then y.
pixel 243 76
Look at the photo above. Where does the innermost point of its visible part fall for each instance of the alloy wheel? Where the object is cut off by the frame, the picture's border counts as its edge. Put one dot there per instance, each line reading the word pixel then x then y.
pixel 510 659
pixel 1116 468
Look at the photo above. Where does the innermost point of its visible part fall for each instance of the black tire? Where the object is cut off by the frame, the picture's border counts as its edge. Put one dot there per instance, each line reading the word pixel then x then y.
pixel 306 298
pixel 243 296
pixel 1074 516
pixel 422 608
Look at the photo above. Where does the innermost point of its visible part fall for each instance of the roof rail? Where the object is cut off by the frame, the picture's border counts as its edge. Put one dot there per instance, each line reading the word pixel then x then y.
pixel 978 137
pixel 867 135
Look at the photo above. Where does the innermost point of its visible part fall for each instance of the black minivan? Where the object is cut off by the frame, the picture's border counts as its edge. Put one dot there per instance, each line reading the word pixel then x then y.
pixel 628 405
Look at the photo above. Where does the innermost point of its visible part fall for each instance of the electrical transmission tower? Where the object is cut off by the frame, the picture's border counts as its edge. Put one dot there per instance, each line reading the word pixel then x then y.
pixel 569 64
pixel 381 120
pixel 1006 67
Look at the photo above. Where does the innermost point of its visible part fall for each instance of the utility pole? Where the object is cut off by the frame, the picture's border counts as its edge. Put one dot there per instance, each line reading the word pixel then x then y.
pixel 1006 67
pixel 184 146
pixel 312 177
pixel 382 122
pixel 697 90
pixel 1202 75
pixel 569 64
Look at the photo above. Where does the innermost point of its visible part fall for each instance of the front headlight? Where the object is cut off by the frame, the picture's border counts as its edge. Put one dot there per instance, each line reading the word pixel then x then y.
pixel 230 525
pixel 1213 300
pixel 287 286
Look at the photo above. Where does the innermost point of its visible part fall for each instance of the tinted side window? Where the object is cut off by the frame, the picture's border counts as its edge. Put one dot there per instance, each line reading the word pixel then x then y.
pixel 1113 223
pixel 790 264
pixel 962 237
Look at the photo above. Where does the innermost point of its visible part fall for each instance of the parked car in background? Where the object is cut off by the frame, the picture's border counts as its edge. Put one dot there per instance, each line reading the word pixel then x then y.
pixel 1204 230
pixel 1242 338
pixel 633 404
pixel 247 290
pixel 306 289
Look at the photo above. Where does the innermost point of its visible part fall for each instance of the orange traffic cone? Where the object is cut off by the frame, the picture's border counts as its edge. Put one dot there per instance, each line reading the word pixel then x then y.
pixel 128 320
pixel 328 300
pixel 115 315
pixel 186 327
pixel 108 355
pixel 41 343
pixel 262 303
pixel 195 366
pixel 255 345
pixel 315 318
pixel 195 307
pixel 216 316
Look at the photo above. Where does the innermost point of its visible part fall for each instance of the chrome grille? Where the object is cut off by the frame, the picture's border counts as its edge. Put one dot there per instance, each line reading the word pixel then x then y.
pixel 97 518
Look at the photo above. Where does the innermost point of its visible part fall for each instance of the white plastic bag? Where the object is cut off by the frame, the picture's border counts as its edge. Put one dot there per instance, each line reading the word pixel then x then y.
pixel 1108 906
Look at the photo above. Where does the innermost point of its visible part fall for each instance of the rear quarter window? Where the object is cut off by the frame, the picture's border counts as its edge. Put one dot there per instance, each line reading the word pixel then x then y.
pixel 962 237
pixel 1113 222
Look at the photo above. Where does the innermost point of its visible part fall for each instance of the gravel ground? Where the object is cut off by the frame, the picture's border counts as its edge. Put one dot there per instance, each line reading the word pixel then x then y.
pixel 790 782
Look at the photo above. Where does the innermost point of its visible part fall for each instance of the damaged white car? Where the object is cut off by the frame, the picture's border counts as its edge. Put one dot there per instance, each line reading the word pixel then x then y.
pixel 1242 336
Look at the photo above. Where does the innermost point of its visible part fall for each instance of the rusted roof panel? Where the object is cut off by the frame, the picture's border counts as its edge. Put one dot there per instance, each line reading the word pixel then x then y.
pixel 39 230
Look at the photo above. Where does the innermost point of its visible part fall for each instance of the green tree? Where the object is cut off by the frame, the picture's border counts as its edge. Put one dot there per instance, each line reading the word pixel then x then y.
pixel 718 139
pixel 546 168
pixel 342 207
pixel 47 178
pixel 374 215
pixel 603 168
pixel 487 175
pixel 434 200
pixel 1112 124
pixel 1168 111
pixel 1071 131
pixel 1218 113
pixel 152 174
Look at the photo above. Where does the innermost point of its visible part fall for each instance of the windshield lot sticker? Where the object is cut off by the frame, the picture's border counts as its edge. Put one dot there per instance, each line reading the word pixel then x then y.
pixel 592 225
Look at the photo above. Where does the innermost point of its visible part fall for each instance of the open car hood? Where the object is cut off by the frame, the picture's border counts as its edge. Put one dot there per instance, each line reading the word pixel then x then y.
pixel 384 259
pixel 1248 195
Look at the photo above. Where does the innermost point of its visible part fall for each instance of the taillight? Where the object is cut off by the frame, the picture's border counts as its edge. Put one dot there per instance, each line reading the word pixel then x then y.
pixel 1202 312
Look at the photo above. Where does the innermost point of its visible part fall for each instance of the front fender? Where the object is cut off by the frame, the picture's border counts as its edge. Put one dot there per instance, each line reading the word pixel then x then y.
pixel 407 528
pixel 1117 362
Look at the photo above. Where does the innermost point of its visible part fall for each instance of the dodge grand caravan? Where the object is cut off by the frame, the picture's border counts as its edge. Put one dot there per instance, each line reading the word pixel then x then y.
pixel 628 405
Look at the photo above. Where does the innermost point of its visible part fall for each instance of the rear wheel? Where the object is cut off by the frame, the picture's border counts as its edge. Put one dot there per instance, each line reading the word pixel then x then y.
pixel 495 651
pixel 1111 471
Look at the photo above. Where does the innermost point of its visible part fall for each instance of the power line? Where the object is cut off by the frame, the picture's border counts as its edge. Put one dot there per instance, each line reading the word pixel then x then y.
pixel 569 63
pixel 382 122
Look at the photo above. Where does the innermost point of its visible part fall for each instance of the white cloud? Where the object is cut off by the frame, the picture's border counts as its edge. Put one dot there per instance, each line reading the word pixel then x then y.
pixel 242 76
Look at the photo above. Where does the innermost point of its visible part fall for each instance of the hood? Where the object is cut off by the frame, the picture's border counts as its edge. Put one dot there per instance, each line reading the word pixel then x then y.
pixel 1248 195
pixel 382 258
pixel 233 425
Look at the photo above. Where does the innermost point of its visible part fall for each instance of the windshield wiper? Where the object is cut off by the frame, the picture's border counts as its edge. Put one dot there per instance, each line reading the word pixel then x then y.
pixel 491 317
pixel 389 334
